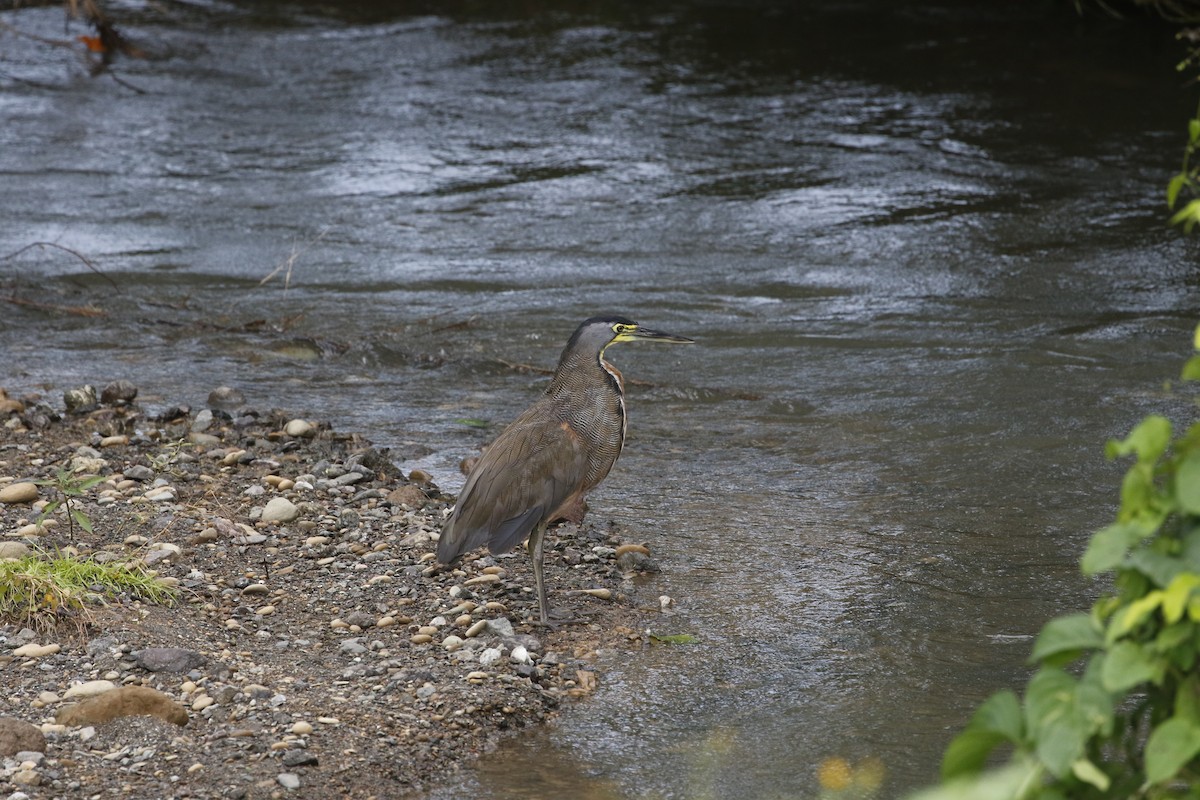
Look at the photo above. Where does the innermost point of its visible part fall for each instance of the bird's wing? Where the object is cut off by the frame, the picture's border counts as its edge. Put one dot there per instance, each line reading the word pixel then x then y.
pixel 527 473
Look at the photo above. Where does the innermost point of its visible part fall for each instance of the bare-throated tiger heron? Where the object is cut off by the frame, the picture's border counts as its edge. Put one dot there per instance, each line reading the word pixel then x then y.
pixel 552 455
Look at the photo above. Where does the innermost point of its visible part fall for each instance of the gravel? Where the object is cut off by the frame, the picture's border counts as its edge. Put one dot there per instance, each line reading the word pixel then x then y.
pixel 317 654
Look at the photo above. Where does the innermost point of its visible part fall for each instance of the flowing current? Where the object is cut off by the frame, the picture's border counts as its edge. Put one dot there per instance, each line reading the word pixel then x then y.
pixel 922 249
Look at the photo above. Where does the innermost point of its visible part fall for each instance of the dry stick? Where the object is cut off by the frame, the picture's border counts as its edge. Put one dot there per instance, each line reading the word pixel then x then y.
pixel 79 311
pixel 87 261
pixel 288 263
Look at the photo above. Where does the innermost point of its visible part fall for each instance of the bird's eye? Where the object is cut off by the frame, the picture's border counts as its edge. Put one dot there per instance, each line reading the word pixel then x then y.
pixel 620 328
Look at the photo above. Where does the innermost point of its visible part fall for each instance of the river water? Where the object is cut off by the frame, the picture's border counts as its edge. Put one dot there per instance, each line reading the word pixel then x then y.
pixel 922 249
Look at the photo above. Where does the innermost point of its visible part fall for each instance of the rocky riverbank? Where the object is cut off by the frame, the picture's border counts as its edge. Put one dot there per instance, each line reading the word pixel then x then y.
pixel 314 649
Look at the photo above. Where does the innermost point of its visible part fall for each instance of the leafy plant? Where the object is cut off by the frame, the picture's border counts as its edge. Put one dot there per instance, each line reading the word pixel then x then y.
pixel 1124 720
pixel 1188 176
pixel 69 487
pixel 39 589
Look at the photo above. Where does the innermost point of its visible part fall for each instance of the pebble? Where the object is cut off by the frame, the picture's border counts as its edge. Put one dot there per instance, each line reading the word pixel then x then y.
pixel 139 473
pixel 476 629
pixel 88 689
pixel 452 643
pixel 501 626
pixel 81 400
pixel 289 780
pixel 118 393
pixel 490 656
pixel 32 650
pixel 302 728
pixel 520 655
pixel 23 492
pixel 16 550
pixel 421 638
pixel 226 397
pixel 299 428
pixel 203 421
pixel 280 509
pixel 169 659
pixel 202 702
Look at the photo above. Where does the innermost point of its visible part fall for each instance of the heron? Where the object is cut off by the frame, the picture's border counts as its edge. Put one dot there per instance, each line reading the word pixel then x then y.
pixel 552 455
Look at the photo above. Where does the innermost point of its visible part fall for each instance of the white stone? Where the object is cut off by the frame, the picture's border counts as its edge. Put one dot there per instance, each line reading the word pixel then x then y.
pixel 89 689
pixel 280 509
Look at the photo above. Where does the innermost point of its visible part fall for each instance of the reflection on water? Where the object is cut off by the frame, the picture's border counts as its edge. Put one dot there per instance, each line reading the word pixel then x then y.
pixel 928 277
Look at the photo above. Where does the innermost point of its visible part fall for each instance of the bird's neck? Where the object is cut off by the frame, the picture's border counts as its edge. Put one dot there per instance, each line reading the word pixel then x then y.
pixel 576 364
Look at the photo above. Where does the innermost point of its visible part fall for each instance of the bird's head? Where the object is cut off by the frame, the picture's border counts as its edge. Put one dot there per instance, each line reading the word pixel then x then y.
pixel 597 333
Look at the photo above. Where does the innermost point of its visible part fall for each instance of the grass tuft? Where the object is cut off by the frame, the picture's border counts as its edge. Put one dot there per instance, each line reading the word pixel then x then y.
pixel 43 589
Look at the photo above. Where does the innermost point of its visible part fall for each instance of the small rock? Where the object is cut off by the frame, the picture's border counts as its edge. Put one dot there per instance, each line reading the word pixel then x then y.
pixel 17 735
pixel 288 780
pixel 169 659
pixel 118 393
pixel 280 509
pixel 520 655
pixel 139 473
pixel 302 728
pixel 299 758
pixel 490 656
pixel 88 689
pixel 299 428
pixel 32 650
pixel 16 550
pixel 202 702
pixel 81 400
pixel 226 397
pixel 408 495
pixel 501 626
pixel 23 492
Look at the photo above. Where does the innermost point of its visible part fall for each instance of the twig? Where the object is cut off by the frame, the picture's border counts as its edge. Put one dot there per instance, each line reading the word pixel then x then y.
pixel 288 263
pixel 87 261
pixel 79 311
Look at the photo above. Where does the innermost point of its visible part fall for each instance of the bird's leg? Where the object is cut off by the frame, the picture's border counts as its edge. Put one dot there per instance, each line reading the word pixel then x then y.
pixel 536 540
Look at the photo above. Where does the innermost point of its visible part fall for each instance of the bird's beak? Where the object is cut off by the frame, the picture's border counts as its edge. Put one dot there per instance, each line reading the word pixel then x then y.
pixel 657 336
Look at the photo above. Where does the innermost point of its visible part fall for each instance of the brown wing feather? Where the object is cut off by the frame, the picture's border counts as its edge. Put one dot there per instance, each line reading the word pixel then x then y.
pixel 531 469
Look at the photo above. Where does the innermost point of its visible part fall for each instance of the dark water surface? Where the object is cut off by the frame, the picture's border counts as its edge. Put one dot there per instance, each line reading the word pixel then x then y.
pixel 921 246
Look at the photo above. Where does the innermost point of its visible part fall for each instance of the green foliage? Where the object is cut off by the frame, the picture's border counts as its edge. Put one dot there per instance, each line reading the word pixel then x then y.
pixel 69 488
pixel 1113 710
pixel 41 589
pixel 1188 177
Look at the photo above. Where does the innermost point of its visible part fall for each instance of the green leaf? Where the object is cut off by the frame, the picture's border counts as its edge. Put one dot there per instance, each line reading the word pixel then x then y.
pixel 471 422
pixel 1001 714
pixel 82 520
pixel 1187 215
pixel 1187 699
pixel 1159 568
pixel 1134 614
pixel 1127 665
pixel 1067 634
pixel 968 752
pixel 1193 130
pixel 1108 545
pixel 1173 187
pixel 1170 747
pixel 1187 483
pixel 90 482
pixel 1178 594
pixel 1088 772
pixel 1055 729
pixel 1191 369
pixel 1148 439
